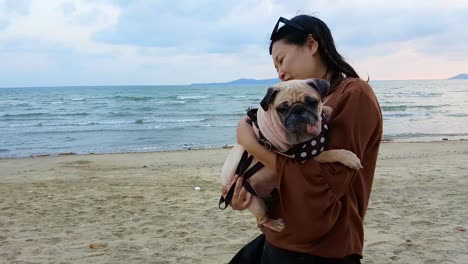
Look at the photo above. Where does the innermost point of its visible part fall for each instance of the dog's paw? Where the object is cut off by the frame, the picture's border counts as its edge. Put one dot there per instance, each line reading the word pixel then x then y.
pixel 351 160
pixel 275 224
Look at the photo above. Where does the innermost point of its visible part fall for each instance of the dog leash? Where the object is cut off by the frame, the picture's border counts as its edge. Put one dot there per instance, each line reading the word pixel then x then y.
pixel 301 152
pixel 241 170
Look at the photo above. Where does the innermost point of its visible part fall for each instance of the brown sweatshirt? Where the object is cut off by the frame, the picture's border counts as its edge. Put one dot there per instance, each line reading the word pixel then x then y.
pixel 324 204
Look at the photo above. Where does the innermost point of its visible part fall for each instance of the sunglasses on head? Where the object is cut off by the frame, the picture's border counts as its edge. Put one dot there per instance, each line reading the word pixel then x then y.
pixel 287 23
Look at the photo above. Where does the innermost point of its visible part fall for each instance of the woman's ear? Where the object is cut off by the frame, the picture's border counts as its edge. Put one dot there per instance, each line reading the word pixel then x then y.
pixel 312 43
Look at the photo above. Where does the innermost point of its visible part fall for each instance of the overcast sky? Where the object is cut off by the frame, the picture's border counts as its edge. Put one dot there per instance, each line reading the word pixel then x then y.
pixel 120 42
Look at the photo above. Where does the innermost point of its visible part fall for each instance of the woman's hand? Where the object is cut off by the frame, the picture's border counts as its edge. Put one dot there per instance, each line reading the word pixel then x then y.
pixel 245 132
pixel 241 198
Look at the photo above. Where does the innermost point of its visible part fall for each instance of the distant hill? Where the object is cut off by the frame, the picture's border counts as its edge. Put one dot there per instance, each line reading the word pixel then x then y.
pixel 462 76
pixel 243 82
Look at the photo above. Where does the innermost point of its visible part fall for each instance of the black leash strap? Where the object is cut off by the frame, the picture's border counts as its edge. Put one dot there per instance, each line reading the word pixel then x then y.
pixel 241 170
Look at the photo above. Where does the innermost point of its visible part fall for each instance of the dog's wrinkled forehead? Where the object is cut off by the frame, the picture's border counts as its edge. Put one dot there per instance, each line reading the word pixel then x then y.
pixel 299 87
pixel 295 90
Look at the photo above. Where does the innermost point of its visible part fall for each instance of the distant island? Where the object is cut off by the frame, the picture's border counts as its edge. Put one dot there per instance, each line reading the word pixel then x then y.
pixel 462 76
pixel 243 82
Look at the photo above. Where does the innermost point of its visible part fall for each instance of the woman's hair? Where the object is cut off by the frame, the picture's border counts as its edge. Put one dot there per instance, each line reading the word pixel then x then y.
pixel 326 48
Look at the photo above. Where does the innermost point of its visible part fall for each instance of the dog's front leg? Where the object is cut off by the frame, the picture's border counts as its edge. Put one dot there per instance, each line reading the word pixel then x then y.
pixel 343 156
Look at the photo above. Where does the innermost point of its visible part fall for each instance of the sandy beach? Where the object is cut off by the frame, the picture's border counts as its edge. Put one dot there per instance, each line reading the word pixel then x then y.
pixel 143 208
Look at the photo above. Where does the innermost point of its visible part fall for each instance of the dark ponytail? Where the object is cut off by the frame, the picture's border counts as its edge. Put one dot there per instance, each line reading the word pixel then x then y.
pixel 327 50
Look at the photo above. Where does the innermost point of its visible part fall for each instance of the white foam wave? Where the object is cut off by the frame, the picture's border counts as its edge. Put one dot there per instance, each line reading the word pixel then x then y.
pixel 191 97
pixel 167 102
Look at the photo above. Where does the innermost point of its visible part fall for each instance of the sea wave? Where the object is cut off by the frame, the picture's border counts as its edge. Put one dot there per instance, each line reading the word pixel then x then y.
pixel 408 107
pixel 219 125
pixel 392 115
pixel 100 130
pixel 10 104
pixel 458 115
pixel 146 109
pixel 132 98
pixel 418 94
pixel 191 97
pixel 121 114
pixel 39 114
pixel 44 124
pixel 109 122
pixel 170 102
pixel 189 120
pixel 424 135
pixel 78 99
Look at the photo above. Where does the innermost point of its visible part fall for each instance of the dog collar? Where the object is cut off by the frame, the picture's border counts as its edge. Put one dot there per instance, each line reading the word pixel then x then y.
pixel 300 152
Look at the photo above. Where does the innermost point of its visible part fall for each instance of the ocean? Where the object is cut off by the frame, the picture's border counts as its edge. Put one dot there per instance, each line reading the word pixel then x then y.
pixel 113 119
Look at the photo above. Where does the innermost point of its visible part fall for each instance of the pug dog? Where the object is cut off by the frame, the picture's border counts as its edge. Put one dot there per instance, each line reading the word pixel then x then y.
pixel 290 114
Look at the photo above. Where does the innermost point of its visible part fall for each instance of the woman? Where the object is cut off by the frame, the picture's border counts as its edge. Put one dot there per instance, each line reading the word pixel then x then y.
pixel 323 204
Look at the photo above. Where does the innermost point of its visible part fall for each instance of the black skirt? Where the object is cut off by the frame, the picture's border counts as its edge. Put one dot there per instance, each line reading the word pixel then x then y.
pixel 259 251
pixel 250 253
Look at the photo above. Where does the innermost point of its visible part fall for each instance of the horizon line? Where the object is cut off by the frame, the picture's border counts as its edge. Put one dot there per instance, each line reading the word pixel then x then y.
pixel 200 83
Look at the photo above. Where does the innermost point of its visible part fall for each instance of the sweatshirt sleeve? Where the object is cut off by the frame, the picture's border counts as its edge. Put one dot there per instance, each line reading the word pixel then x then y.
pixel 314 188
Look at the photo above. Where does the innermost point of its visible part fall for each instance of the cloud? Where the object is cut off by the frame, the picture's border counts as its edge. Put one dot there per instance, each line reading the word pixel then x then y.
pixel 60 22
pixel 78 42
pixel 408 63
pixel 20 7
pixel 68 9
pixel 3 24
pixel 207 26
pixel 216 26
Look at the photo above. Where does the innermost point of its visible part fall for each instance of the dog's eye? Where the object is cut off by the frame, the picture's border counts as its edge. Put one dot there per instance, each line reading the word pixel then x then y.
pixel 311 101
pixel 282 108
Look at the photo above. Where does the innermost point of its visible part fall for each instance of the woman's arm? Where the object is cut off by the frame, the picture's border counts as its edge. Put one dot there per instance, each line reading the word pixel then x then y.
pixel 247 138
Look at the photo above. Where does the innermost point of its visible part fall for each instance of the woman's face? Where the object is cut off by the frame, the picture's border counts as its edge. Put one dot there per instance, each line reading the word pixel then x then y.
pixel 297 62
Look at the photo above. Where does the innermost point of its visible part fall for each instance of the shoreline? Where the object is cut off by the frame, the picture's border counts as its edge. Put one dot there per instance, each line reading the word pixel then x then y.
pixel 146 208
pixel 227 146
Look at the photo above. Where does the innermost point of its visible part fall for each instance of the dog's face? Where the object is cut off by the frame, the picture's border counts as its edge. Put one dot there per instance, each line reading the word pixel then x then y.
pixel 298 104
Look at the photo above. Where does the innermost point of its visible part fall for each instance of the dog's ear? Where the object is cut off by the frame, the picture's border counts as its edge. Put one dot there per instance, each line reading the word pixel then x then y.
pixel 322 86
pixel 269 98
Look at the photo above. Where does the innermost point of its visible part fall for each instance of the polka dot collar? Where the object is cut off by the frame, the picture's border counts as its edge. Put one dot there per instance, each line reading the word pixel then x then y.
pixel 311 148
pixel 302 151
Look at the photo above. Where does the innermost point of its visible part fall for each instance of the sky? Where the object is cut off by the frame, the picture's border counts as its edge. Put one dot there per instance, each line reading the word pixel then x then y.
pixel 143 42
